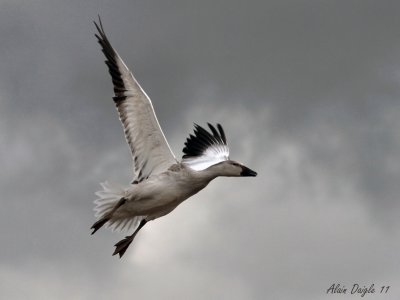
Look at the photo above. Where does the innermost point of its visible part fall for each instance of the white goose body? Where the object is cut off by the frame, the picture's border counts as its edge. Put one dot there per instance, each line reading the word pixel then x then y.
pixel 160 181
pixel 160 194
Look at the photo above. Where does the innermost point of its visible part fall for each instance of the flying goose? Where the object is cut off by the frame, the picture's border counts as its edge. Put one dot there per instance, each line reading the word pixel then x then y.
pixel 160 182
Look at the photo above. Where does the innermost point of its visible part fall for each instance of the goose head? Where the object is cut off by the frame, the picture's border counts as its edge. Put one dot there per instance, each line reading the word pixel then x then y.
pixel 231 168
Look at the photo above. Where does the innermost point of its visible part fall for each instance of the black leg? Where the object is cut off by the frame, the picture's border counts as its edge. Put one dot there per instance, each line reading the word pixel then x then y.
pixel 96 226
pixel 122 245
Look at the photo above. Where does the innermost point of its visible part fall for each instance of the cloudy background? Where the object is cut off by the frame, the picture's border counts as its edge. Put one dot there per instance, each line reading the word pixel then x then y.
pixel 308 93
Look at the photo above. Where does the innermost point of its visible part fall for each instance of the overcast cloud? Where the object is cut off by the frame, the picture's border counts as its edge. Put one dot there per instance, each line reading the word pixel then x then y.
pixel 308 93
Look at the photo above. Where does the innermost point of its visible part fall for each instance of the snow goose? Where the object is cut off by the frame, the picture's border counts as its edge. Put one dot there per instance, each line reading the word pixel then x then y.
pixel 160 181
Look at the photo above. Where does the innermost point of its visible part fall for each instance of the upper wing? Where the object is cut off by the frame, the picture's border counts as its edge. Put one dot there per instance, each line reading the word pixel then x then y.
pixel 150 150
pixel 204 149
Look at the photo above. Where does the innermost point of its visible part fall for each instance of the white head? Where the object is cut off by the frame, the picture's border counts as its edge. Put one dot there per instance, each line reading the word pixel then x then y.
pixel 231 168
pixel 208 151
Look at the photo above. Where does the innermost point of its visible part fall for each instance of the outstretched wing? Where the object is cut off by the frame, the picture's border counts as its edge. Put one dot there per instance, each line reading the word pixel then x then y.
pixel 150 150
pixel 204 149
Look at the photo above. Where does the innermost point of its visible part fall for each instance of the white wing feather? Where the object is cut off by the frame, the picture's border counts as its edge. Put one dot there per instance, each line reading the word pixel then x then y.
pixel 205 149
pixel 150 150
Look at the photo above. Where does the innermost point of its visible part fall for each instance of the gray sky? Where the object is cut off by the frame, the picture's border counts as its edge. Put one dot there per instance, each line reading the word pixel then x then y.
pixel 308 93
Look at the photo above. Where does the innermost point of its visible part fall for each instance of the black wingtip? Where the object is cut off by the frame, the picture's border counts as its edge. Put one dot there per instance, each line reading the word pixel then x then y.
pixel 100 25
pixel 221 132
pixel 196 144
pixel 100 30
pixel 111 61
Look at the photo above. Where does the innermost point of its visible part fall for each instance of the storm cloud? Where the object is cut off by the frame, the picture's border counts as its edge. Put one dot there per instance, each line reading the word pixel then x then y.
pixel 308 93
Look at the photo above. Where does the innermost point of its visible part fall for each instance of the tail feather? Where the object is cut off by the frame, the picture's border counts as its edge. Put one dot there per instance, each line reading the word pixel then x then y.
pixel 107 199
